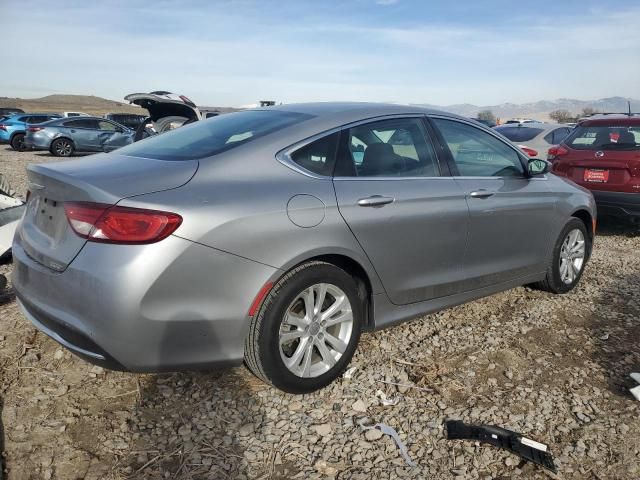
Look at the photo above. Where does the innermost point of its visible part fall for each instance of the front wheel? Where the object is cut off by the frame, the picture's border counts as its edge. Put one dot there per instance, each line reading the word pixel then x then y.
pixel 307 329
pixel 570 255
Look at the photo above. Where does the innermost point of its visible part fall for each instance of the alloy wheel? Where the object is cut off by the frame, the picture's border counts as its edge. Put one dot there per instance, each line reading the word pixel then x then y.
pixel 63 148
pixel 572 254
pixel 315 330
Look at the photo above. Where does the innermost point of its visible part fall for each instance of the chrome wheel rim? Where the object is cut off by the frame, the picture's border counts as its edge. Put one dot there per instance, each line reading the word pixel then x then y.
pixel 315 330
pixel 63 148
pixel 572 256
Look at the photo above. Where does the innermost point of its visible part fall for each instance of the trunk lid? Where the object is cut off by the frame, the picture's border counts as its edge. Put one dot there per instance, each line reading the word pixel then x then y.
pixel 45 233
pixel 165 104
pixel 608 170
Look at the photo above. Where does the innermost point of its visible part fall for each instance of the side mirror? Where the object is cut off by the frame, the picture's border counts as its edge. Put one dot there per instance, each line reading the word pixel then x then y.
pixel 537 166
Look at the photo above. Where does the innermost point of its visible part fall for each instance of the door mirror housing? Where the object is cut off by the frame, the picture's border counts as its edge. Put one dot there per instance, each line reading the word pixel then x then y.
pixel 536 166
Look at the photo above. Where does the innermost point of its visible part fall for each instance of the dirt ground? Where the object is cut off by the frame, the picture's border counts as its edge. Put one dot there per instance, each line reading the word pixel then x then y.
pixel 554 368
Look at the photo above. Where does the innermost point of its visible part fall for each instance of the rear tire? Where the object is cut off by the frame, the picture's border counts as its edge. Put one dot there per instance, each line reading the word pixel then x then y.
pixel 62 147
pixel 307 329
pixel 17 142
pixel 565 269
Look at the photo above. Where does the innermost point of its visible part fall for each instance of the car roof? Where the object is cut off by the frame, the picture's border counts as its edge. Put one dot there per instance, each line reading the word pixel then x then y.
pixel 610 121
pixel 328 115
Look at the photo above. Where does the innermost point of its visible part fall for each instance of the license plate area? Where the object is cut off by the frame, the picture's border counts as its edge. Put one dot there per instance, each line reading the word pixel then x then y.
pixel 596 175
pixel 48 214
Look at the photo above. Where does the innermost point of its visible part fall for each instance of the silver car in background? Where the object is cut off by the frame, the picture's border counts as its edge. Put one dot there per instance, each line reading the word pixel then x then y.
pixel 65 136
pixel 275 236
pixel 535 139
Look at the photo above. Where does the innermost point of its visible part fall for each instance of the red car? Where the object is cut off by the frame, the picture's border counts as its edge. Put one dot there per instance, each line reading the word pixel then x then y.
pixel 603 155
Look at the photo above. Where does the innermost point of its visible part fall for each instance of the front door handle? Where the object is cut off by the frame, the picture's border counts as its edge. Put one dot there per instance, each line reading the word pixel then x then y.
pixel 482 193
pixel 375 201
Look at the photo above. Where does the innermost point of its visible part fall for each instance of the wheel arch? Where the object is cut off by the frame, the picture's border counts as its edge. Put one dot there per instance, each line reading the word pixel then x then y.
pixel 354 268
pixel 62 137
pixel 587 219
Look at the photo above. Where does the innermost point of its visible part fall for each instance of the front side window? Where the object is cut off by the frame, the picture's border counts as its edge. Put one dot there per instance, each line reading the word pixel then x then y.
pixel 88 124
pixel 102 125
pixel 477 153
pixel 204 139
pixel 387 148
pixel 604 138
pixel 318 156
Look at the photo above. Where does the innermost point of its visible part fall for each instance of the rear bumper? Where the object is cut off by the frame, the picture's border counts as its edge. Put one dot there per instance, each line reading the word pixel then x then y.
pixel 173 305
pixel 37 142
pixel 618 204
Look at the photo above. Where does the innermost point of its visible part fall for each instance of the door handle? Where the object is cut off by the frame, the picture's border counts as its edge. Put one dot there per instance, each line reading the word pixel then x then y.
pixel 482 193
pixel 73 131
pixel 375 201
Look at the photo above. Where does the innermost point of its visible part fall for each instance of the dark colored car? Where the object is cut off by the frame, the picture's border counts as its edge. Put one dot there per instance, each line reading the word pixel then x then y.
pixel 603 155
pixel 14 127
pixel 129 120
pixel 64 136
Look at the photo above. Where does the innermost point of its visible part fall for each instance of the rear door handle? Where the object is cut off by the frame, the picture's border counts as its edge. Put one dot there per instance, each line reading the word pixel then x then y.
pixel 375 201
pixel 482 193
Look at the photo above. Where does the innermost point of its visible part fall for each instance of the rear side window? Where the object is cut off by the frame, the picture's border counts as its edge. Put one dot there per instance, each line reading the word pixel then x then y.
pixel 556 136
pixel 90 124
pixel 319 156
pixel 604 138
pixel 388 148
pixel 518 134
pixel 476 153
pixel 216 135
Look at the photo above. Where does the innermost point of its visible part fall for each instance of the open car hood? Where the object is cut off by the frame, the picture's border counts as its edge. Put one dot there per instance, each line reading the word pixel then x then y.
pixel 165 104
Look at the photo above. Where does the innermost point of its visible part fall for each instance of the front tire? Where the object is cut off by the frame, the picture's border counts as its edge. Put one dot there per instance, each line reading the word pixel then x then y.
pixel 307 329
pixel 17 142
pixel 62 147
pixel 570 255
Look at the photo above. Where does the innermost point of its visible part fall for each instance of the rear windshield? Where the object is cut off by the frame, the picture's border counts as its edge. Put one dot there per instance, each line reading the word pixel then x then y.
pixel 519 134
pixel 209 137
pixel 604 138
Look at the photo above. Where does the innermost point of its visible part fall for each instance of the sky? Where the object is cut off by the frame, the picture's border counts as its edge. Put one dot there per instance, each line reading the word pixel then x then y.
pixel 236 52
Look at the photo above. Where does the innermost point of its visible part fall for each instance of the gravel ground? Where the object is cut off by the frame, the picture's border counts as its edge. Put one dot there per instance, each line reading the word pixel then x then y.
pixel 554 368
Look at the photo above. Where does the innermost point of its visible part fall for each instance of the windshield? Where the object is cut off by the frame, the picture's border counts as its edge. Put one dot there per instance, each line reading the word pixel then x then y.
pixel 604 138
pixel 215 135
pixel 519 134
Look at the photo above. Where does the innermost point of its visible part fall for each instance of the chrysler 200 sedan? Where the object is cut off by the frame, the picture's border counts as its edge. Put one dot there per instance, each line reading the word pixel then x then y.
pixel 275 236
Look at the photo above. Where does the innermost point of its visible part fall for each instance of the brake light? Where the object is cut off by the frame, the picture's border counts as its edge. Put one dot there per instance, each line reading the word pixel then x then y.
pixel 555 152
pixel 98 222
pixel 35 129
pixel 529 151
pixel 3 127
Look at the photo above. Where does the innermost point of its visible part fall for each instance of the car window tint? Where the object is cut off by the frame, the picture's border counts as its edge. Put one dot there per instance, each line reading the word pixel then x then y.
pixel 102 125
pixel 477 153
pixel 204 139
pixel 518 133
pixel 22 119
pixel 604 138
pixel 559 135
pixel 388 148
pixel 318 156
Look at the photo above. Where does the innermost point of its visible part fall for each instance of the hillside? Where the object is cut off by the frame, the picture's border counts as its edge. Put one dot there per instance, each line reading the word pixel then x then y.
pixel 64 103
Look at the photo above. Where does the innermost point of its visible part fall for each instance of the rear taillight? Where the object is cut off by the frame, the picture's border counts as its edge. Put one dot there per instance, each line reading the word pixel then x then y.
pixel 555 152
pixel 3 127
pixel 529 151
pixel 35 129
pixel 98 222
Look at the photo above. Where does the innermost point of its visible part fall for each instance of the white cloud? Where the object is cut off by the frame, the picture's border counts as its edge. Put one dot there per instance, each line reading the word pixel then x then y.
pixel 233 57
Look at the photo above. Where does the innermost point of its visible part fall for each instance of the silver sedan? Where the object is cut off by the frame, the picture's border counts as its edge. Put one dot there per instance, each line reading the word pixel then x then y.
pixel 276 236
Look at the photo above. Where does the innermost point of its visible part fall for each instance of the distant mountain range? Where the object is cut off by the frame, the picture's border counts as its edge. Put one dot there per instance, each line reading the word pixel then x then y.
pixel 537 110
pixel 540 110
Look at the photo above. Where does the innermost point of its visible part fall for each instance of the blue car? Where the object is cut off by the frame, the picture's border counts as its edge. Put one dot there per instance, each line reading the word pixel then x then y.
pixel 14 127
